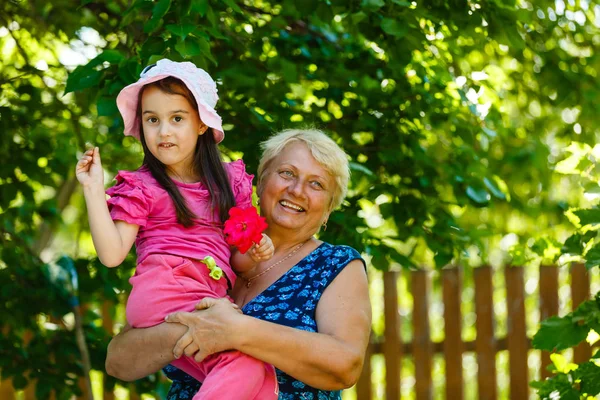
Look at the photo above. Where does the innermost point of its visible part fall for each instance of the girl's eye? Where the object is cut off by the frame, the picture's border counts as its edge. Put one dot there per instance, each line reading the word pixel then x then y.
pixel 178 118
pixel 152 120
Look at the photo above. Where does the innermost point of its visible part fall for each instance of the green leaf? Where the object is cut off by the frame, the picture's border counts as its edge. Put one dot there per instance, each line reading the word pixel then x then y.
pixel 493 188
pixel 393 27
pixel 558 333
pixel 154 45
pixel 588 216
pixel 354 166
pixel 19 382
pixel 233 5
pixel 559 386
pixel 592 257
pixel 358 17
pixel 158 12
pixel 110 56
pixel 589 373
pixel 306 7
pixel 401 259
pixel 573 245
pixel 83 77
pixel 184 8
pixel 200 6
pixel 107 106
pixel 592 188
pixel 205 48
pixel 478 195
pixel 491 133
pixel 188 47
pixel 588 314
pixel 372 5
pixel 181 30
pixel 289 70
pixel 401 3
pixel 442 258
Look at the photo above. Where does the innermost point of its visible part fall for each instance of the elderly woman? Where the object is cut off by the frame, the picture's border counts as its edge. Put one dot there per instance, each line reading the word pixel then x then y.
pixel 306 310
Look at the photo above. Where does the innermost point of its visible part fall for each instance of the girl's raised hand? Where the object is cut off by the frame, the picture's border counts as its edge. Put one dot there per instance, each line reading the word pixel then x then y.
pixel 89 168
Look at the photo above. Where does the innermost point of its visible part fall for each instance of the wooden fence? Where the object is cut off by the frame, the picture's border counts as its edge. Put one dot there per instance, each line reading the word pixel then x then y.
pixel 422 349
pixel 486 345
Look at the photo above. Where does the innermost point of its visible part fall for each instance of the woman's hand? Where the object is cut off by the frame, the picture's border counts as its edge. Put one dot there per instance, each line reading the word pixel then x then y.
pixel 262 251
pixel 89 169
pixel 211 329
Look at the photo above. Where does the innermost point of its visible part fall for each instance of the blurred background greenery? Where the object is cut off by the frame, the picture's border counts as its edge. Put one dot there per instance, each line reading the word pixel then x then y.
pixel 471 128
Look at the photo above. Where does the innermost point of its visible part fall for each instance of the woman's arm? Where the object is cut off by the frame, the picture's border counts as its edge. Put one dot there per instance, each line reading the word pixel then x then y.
pixel 136 353
pixel 330 359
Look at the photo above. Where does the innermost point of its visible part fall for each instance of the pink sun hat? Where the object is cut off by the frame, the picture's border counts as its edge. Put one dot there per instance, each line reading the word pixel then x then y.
pixel 197 80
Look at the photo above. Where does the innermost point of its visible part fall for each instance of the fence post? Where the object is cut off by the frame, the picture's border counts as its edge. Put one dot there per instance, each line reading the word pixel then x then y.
pixel 392 345
pixel 422 347
pixel 107 324
pixel 363 386
pixel 516 333
pixel 7 391
pixel 453 344
pixel 548 305
pixel 485 343
pixel 580 292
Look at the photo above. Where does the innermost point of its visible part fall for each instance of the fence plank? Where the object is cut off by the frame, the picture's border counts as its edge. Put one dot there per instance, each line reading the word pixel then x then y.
pixel 133 394
pixel 580 292
pixel 363 386
pixel 107 324
pixel 485 343
pixel 423 350
pixel 516 333
pixel 548 305
pixel 392 346
pixel 453 344
pixel 29 391
pixel 7 391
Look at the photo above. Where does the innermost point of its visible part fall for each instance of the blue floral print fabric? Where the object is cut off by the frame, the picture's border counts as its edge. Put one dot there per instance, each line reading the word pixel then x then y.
pixel 290 301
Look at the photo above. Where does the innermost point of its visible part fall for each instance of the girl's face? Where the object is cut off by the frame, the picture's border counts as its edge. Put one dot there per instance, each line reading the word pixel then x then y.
pixel 171 128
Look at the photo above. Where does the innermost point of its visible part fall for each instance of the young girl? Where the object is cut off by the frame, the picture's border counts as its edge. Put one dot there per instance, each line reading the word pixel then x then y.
pixel 174 207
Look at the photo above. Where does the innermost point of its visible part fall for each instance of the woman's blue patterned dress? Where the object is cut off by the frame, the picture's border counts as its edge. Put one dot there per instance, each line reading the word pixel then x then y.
pixel 291 301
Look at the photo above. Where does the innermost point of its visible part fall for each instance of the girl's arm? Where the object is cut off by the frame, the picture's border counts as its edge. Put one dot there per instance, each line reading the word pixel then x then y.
pixel 112 239
pixel 329 360
pixel 243 263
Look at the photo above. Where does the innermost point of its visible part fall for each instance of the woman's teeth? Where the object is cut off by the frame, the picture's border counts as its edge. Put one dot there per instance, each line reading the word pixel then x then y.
pixel 292 206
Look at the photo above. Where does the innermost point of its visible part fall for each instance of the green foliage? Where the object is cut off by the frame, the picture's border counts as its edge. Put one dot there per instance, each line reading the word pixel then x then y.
pixel 458 118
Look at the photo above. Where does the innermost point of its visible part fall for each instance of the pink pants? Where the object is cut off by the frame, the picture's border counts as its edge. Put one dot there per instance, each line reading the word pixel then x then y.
pixel 163 284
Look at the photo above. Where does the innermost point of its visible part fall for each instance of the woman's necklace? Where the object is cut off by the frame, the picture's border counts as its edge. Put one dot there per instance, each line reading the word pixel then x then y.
pixel 249 280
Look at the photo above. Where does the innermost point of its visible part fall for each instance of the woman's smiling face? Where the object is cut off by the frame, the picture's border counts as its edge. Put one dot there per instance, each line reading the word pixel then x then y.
pixel 296 191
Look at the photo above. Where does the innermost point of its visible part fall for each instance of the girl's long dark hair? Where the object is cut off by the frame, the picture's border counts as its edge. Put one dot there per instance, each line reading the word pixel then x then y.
pixel 207 162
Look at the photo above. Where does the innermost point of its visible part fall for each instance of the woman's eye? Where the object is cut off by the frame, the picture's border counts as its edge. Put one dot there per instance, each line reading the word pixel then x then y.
pixel 317 184
pixel 287 173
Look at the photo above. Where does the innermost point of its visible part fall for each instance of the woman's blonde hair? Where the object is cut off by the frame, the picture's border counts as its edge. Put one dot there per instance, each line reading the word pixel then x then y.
pixel 322 148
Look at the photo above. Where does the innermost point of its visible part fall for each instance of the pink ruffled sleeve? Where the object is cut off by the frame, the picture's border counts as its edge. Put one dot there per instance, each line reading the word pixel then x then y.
pixel 130 199
pixel 241 183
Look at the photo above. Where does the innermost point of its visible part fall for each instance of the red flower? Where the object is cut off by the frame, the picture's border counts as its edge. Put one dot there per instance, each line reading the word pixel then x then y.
pixel 243 228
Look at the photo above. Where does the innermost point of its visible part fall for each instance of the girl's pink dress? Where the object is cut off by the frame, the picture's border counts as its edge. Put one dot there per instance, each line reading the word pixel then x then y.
pixel 169 276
